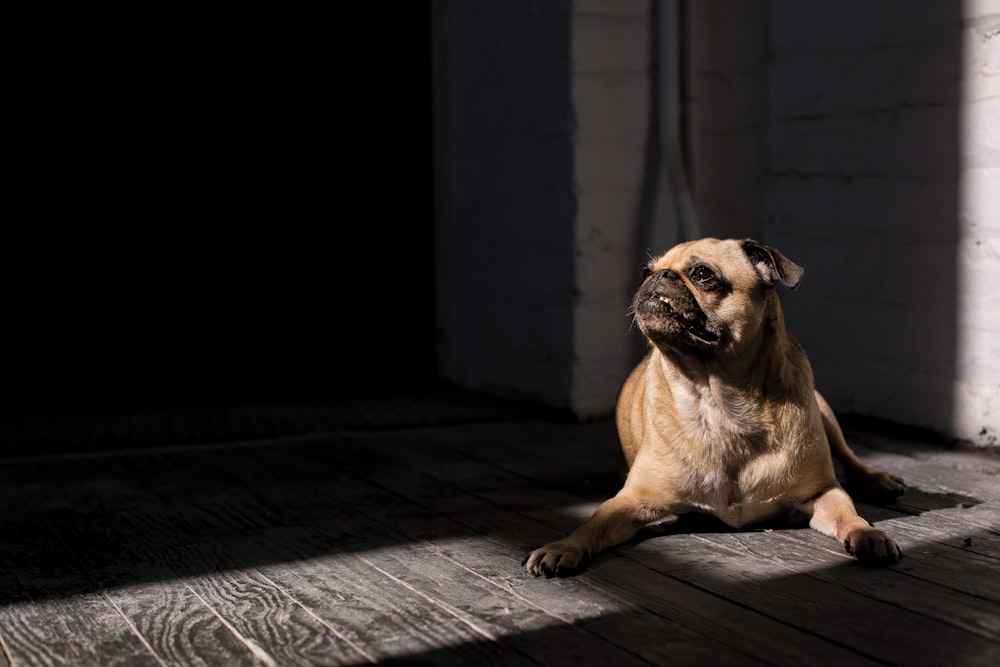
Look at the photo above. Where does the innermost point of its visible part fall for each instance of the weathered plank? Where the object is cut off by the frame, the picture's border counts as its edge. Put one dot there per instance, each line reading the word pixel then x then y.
pixel 965 529
pixel 657 601
pixel 954 476
pixel 788 590
pixel 261 603
pixel 75 630
pixel 47 604
pixel 427 581
pixel 926 558
pixel 149 538
pixel 983 624
pixel 261 621
pixel 405 546
pixel 916 584
pixel 483 576
pixel 178 625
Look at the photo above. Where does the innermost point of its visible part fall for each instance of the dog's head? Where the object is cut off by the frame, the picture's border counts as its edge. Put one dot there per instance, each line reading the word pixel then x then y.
pixel 711 293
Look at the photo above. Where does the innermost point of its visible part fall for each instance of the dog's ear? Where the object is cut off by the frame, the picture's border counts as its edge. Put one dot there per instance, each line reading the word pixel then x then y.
pixel 772 266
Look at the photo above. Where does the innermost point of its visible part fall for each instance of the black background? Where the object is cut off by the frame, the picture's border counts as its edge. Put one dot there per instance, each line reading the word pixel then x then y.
pixel 217 211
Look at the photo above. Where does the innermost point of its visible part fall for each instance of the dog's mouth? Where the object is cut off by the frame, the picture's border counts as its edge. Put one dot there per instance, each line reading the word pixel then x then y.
pixel 659 316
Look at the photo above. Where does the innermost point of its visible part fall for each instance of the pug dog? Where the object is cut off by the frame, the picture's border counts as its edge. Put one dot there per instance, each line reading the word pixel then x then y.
pixel 721 415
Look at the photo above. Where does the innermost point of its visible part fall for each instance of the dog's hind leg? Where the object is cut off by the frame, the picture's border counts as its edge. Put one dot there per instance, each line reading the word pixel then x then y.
pixel 864 480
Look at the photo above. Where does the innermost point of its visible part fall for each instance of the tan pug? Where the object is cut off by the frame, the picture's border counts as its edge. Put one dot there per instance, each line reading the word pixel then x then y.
pixel 721 415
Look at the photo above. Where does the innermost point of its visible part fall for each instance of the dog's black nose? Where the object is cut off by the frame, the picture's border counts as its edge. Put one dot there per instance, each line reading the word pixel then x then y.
pixel 666 274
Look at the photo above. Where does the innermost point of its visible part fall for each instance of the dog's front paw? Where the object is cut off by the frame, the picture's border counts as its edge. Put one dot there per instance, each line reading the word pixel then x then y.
pixel 559 559
pixel 876 485
pixel 872 546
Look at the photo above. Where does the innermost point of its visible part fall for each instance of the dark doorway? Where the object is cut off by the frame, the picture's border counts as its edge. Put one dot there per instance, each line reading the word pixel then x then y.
pixel 237 210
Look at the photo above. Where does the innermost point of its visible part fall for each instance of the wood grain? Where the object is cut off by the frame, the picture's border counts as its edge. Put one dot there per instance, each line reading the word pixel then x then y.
pixel 404 546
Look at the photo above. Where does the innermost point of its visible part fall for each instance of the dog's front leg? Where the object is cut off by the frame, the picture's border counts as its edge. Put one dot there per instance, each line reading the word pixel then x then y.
pixel 833 514
pixel 615 521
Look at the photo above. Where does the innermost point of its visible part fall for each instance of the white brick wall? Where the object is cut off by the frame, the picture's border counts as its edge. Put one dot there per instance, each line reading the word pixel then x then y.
pixel 976 391
pixel 885 185
pixel 612 58
pixel 866 146
pixel 726 104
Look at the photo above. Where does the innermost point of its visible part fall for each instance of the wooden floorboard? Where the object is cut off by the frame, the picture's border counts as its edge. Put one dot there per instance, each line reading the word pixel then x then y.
pixel 403 545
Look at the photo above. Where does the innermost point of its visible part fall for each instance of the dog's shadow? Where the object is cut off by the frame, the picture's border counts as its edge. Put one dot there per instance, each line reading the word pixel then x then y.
pixel 913 502
pixel 917 501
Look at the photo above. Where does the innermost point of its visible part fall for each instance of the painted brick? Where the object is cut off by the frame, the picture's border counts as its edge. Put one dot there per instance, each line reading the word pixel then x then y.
pixel 611 43
pixel 884 150
pixel 635 8
pixel 609 162
pixel 921 142
pixel 612 106
pixel 978 206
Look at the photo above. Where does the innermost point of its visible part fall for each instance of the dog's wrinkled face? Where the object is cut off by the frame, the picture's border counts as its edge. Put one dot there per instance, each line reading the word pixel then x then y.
pixel 709 293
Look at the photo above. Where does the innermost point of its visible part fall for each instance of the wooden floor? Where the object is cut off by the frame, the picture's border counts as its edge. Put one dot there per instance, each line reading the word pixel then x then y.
pixel 404 546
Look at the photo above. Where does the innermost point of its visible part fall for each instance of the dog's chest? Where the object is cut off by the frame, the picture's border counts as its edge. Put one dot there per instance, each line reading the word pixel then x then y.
pixel 743 496
pixel 735 471
pixel 724 418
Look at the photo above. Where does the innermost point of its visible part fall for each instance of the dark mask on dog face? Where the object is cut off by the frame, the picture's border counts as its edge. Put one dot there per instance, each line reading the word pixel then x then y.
pixel 709 293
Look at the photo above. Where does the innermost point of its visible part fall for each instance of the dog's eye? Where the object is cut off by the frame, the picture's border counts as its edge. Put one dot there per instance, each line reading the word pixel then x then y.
pixel 703 276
